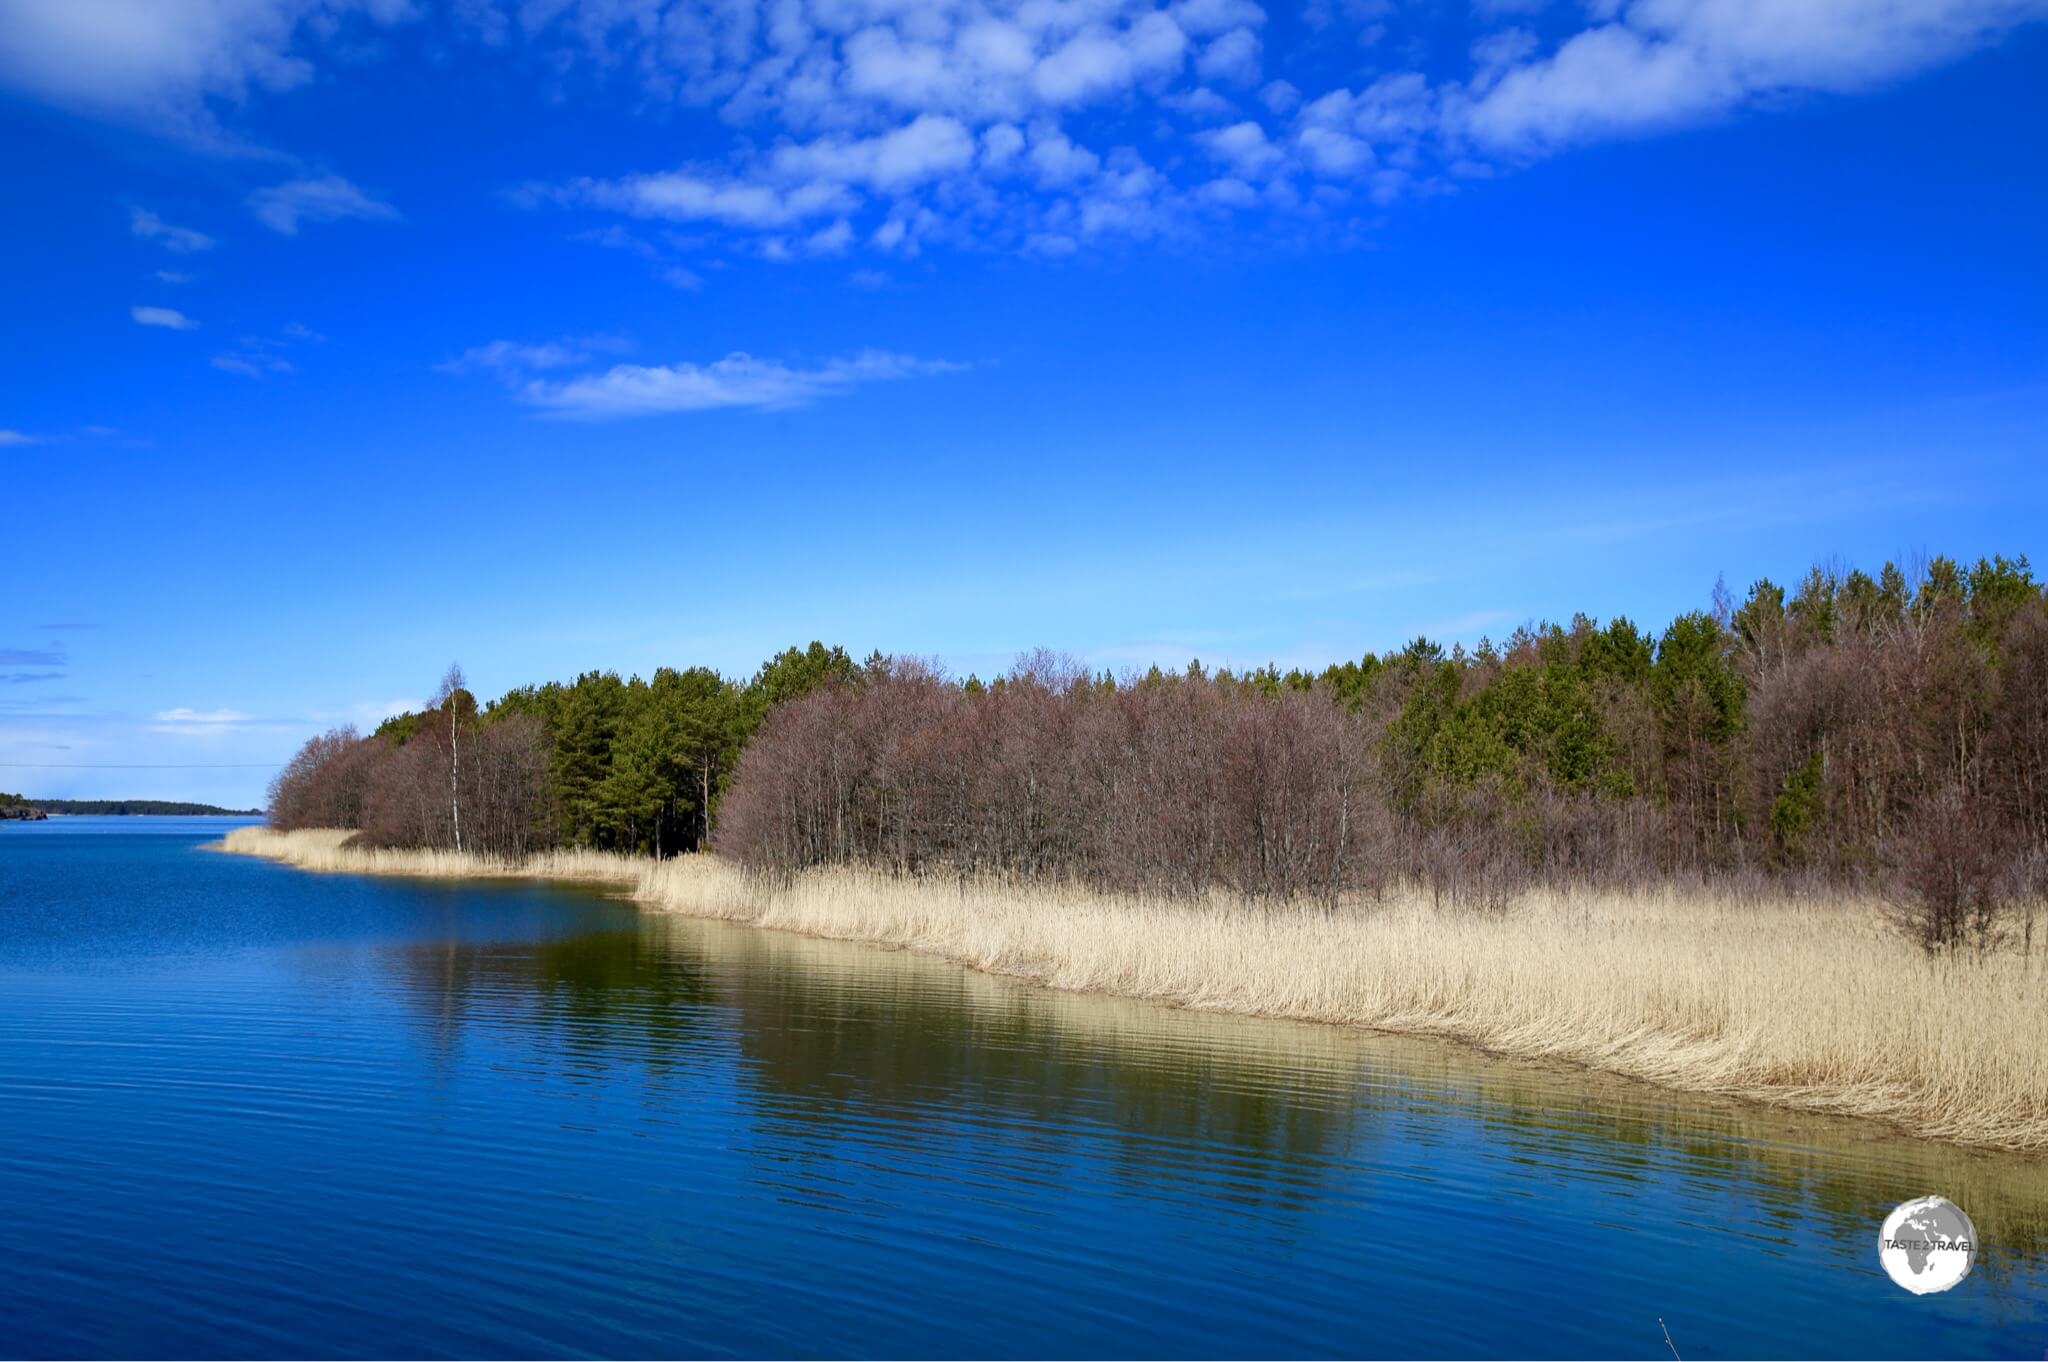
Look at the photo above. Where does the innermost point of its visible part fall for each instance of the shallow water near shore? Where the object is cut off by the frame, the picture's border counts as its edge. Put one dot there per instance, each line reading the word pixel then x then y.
pixel 248 1111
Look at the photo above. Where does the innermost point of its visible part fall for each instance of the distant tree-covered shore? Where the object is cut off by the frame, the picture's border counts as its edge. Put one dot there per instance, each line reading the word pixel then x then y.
pixel 20 806
pixel 1886 731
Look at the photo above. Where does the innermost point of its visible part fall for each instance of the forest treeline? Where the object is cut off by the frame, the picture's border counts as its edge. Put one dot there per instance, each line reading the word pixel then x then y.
pixel 1886 731
pixel 178 808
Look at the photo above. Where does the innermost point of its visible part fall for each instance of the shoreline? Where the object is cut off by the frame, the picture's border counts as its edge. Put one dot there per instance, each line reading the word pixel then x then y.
pixel 1812 1006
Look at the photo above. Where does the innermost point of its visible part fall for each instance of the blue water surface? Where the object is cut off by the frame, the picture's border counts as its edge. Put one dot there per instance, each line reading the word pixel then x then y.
pixel 249 1111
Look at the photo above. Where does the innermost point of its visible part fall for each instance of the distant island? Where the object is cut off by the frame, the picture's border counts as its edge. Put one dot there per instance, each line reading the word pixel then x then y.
pixel 20 807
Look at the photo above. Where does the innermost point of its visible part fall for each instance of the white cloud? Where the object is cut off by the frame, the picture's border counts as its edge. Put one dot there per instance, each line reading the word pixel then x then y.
pixel 1280 96
pixel 928 147
pixel 1200 102
pixel 1214 16
pixel 1244 146
pixel 738 380
pixel 15 437
pixel 326 198
pixel 1665 62
pixel 1000 145
pixel 150 227
pixel 160 61
pixel 168 317
pixel 199 723
pixel 1056 160
pixel 1332 152
pixel 1231 193
pixel 1097 61
pixel 256 365
pixel 898 125
pixel 511 359
pixel 687 196
pixel 831 240
pixel 1232 57
pixel 173 277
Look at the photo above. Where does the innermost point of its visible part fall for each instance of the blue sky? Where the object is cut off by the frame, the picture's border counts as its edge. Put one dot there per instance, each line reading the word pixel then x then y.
pixel 347 338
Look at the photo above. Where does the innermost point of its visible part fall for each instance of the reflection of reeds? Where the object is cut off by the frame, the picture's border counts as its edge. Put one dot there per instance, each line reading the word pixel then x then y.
pixel 1813 1005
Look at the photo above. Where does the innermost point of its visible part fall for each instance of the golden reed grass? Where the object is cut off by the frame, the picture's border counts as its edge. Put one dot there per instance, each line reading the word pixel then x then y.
pixel 1814 1005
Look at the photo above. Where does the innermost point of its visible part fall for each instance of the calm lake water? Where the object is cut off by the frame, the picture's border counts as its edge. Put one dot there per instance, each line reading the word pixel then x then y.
pixel 247 1111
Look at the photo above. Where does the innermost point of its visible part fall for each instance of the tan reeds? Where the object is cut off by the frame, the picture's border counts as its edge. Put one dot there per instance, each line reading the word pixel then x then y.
pixel 1808 1004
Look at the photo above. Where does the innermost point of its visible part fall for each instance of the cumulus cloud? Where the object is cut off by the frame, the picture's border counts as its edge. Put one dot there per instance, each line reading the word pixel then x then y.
pixel 738 380
pixel 183 240
pixel 1665 62
pixel 326 198
pixel 891 126
pixel 926 148
pixel 1233 57
pixel 167 317
pixel 160 62
pixel 1245 147
pixel 1280 96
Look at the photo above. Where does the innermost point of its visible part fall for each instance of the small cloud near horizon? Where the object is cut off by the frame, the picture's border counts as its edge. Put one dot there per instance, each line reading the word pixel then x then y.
pixel 167 317
pixel 208 723
pixel 184 715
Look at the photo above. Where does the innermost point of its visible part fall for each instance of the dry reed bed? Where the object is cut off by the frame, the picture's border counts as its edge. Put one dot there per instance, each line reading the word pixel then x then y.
pixel 1810 1005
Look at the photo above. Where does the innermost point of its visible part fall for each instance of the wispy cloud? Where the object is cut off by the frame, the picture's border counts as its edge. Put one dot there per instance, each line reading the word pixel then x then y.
pixel 512 358
pixel 31 657
pixel 253 365
pixel 738 380
pixel 182 240
pixel 327 198
pixel 262 357
pixel 168 317
pixel 199 722
pixel 23 678
pixel 15 437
